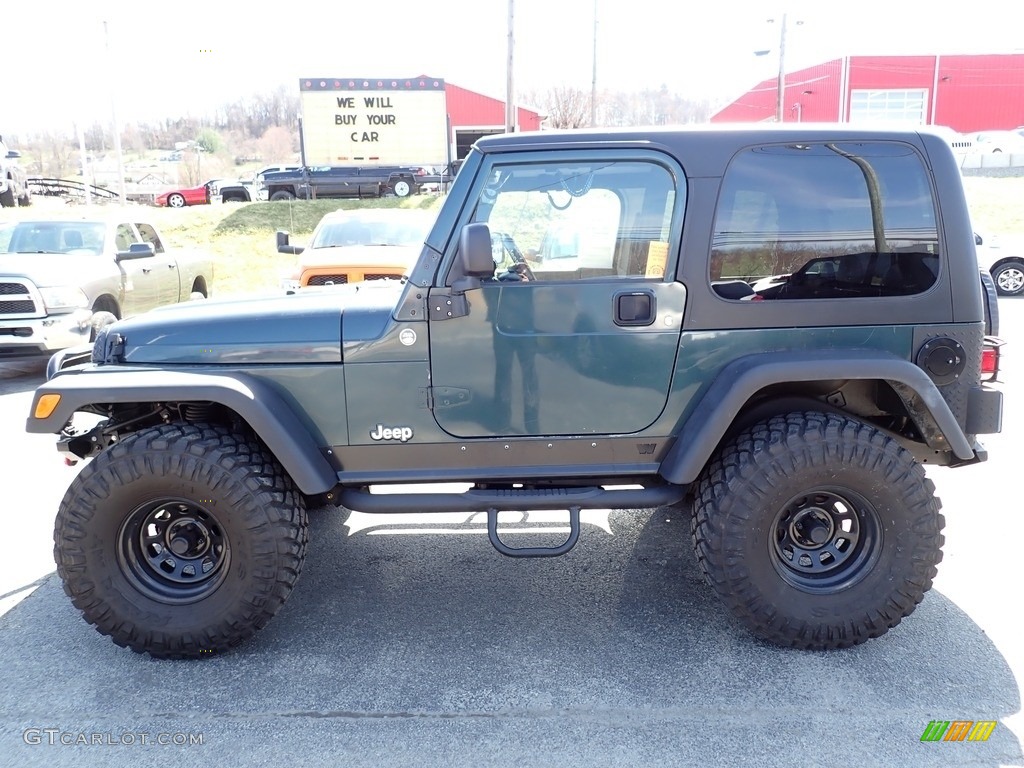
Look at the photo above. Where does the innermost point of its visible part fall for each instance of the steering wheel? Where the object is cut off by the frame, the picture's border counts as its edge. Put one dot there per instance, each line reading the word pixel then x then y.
pixel 520 265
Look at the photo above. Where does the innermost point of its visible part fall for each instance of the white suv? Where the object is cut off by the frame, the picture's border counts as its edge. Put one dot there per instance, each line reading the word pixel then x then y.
pixel 1004 259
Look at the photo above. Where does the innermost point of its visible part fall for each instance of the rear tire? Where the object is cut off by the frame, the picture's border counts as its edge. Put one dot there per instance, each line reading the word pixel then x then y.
pixel 7 199
pixel 401 188
pixel 180 541
pixel 817 531
pixel 282 195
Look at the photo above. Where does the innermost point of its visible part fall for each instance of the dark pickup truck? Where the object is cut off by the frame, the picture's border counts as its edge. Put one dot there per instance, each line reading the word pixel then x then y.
pixel 343 181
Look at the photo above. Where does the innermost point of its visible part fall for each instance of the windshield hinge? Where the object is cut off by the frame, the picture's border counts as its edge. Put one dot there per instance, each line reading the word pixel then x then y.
pixel 446 306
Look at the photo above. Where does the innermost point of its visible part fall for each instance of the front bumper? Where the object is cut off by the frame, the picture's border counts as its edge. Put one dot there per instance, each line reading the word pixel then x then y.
pixel 38 337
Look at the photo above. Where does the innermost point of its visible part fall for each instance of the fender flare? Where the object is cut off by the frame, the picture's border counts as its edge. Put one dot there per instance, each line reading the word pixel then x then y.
pixel 713 415
pixel 261 406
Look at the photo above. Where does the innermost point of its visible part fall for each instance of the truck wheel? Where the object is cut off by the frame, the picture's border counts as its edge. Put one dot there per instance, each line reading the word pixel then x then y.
pixel 7 199
pixel 181 540
pixel 282 195
pixel 176 201
pixel 401 188
pixel 817 531
pixel 25 199
pixel 1009 278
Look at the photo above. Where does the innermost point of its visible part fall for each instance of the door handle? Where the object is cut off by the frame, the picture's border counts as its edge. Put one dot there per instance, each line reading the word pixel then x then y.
pixel 146 270
pixel 172 266
pixel 635 308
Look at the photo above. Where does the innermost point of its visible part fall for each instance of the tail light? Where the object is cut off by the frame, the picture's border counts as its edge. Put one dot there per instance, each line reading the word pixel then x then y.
pixel 990 354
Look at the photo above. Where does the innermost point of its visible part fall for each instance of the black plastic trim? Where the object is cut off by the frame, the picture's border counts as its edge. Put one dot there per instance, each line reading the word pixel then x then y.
pixel 712 417
pixel 258 404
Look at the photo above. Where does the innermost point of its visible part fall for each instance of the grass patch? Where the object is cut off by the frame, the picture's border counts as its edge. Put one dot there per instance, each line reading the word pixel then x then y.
pixel 301 216
pixel 240 237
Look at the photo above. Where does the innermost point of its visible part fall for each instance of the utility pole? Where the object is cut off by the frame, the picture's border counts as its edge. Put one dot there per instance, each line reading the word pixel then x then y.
pixel 123 193
pixel 780 113
pixel 510 120
pixel 593 79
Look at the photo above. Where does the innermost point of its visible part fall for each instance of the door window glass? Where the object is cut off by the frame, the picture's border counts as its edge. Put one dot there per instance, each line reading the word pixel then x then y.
pixel 577 221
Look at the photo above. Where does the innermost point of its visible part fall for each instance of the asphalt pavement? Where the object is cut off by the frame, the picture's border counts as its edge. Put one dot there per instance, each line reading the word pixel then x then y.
pixel 412 643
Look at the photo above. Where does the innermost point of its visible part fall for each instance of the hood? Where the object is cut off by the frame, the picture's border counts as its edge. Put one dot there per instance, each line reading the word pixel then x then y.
pixel 305 327
pixel 51 269
pixel 370 255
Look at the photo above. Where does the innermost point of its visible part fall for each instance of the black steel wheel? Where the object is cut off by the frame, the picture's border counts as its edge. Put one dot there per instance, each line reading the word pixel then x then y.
pixel 825 540
pixel 173 550
pixel 180 540
pixel 817 530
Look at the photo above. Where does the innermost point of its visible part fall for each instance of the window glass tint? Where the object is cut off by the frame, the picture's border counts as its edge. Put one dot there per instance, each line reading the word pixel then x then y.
pixel 125 237
pixel 576 221
pixel 832 220
pixel 149 235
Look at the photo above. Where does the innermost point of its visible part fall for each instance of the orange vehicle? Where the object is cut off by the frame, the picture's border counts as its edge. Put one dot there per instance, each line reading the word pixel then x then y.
pixel 353 245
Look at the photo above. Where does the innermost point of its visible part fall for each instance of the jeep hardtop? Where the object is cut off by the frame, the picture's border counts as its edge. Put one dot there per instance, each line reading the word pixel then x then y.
pixel 773 328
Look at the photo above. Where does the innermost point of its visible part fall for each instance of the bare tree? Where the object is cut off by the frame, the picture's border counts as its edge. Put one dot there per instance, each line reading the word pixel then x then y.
pixel 277 144
pixel 566 107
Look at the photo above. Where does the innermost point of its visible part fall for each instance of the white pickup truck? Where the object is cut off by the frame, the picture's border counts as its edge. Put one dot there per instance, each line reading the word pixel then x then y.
pixel 13 182
pixel 62 279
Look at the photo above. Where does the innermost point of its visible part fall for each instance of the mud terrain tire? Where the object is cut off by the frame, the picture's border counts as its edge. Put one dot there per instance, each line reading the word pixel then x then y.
pixel 817 531
pixel 180 540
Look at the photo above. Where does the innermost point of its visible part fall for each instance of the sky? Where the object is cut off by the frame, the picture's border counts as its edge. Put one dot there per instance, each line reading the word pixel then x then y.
pixel 64 59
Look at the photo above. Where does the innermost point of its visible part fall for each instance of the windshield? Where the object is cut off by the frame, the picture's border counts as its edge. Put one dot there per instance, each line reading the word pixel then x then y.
pixel 398 227
pixel 77 237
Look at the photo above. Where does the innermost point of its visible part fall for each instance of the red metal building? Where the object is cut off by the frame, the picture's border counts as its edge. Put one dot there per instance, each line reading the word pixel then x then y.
pixel 474 115
pixel 965 92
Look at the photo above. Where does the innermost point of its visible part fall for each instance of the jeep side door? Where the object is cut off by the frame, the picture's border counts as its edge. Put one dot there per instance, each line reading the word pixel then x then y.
pixel 579 345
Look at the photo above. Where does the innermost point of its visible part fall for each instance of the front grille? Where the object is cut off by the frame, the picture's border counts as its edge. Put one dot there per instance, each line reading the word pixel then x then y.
pixel 380 276
pixel 17 299
pixel 20 307
pixel 325 279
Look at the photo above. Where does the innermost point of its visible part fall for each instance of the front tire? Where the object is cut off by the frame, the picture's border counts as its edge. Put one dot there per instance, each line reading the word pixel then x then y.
pixel 282 195
pixel 817 531
pixel 176 201
pixel 180 541
pixel 1009 278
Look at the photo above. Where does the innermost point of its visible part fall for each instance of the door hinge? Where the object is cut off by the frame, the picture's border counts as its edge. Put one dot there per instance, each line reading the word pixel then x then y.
pixel 442 397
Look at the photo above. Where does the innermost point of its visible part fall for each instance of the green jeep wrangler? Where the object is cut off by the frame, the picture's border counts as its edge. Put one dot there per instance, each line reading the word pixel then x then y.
pixel 774 327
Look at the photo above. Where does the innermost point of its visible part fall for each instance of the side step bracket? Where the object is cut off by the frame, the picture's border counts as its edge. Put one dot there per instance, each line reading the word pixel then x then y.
pixel 561 549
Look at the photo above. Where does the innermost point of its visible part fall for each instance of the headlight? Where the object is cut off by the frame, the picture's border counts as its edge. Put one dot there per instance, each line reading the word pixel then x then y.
pixel 63 298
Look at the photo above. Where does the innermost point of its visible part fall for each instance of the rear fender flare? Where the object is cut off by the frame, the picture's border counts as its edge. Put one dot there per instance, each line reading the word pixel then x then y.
pixel 713 415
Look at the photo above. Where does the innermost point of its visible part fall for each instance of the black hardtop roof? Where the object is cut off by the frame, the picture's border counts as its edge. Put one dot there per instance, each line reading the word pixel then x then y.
pixel 739 133
pixel 706 149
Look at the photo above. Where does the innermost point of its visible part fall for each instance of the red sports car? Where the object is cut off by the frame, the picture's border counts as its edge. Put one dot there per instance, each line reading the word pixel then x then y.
pixel 179 198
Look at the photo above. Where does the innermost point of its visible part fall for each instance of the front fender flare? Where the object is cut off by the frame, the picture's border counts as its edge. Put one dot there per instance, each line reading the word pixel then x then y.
pixel 713 415
pixel 269 415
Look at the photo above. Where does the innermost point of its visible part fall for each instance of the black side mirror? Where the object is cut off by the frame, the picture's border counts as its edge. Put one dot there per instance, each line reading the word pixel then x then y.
pixel 284 246
pixel 475 261
pixel 136 251
pixel 977 239
pixel 475 255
